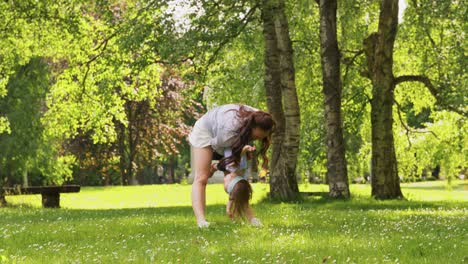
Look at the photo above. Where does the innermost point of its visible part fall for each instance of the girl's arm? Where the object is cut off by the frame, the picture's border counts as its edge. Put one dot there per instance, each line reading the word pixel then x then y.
pixel 228 209
pixel 250 214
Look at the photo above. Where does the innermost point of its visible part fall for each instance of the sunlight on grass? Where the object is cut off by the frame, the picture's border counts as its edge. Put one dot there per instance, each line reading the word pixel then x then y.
pixel 179 195
pixel 136 196
pixel 153 224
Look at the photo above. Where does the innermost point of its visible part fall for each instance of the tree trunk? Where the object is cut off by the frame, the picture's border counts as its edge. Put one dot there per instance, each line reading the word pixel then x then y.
pixel 288 87
pixel 122 154
pixel 3 178
pixel 2 193
pixel 171 165
pixel 131 145
pixel 379 54
pixel 279 86
pixel 330 57
pixel 25 175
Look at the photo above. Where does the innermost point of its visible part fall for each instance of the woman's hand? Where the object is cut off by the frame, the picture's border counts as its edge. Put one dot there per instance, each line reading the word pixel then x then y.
pixel 248 148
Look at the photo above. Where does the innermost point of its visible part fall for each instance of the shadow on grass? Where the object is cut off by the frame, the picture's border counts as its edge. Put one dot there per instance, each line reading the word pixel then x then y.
pixel 25 211
pixel 365 203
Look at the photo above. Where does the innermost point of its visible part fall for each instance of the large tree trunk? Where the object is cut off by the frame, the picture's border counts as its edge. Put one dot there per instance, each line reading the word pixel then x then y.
pixel 288 87
pixel 279 86
pixel 379 54
pixel 330 58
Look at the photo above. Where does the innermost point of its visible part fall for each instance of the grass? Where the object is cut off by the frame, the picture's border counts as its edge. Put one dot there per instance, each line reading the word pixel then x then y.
pixel 155 224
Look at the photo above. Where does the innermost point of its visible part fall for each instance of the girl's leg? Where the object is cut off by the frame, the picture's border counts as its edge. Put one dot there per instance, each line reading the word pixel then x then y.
pixel 202 162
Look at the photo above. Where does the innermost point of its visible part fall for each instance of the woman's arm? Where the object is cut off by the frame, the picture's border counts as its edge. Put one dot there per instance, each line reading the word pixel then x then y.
pixel 251 217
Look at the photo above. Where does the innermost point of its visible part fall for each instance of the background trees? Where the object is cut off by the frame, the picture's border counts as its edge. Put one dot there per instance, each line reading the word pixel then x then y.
pixel 105 92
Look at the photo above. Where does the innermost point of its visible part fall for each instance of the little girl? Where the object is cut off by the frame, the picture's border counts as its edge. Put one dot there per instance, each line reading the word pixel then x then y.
pixel 237 186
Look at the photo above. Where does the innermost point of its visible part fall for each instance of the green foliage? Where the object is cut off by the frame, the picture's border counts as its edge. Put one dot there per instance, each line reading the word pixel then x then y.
pixel 431 42
pixel 237 75
pixel 4 125
pixel 32 35
pixel 28 149
pixel 101 59
pixel 95 67
pixel 123 89
pixel 442 142
pixel 29 29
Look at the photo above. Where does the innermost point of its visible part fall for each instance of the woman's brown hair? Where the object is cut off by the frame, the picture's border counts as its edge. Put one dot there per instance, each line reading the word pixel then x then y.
pixel 250 120
pixel 240 196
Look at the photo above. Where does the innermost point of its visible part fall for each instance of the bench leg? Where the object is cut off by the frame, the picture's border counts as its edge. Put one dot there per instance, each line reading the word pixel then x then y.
pixel 51 200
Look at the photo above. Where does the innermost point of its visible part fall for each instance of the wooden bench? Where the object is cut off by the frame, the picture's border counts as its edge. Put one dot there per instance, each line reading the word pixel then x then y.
pixel 50 194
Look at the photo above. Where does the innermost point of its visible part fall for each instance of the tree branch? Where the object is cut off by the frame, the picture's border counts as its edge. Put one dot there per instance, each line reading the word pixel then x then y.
pixel 244 22
pixel 348 62
pixel 409 130
pixel 103 44
pixel 305 45
pixel 435 92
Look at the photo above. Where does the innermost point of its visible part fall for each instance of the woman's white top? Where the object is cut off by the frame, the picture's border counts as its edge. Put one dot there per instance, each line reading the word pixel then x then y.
pixel 217 128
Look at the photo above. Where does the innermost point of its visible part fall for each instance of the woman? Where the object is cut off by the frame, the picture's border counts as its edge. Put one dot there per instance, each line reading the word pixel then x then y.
pixel 223 133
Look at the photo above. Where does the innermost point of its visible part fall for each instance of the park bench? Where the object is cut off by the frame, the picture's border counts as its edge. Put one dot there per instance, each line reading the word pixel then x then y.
pixel 50 194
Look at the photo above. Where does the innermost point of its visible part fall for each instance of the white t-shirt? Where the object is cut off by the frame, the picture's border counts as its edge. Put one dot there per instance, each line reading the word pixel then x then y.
pixel 223 124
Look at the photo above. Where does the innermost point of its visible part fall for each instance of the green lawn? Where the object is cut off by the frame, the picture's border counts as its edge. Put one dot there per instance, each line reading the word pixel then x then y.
pixel 155 224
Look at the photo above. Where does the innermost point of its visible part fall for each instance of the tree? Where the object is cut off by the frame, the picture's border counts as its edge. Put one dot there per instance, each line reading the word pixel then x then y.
pixel 282 100
pixel 379 54
pixel 23 106
pixel 31 32
pixel 120 87
pixel 330 58
pixel 431 79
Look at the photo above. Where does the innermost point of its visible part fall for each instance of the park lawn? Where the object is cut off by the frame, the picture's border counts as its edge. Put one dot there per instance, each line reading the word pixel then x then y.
pixel 155 224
